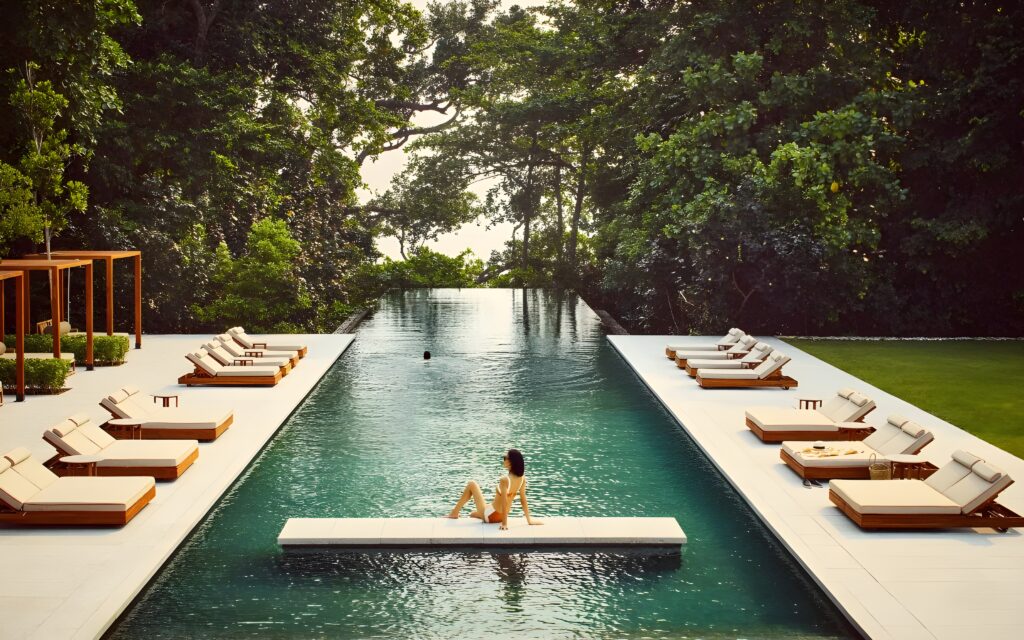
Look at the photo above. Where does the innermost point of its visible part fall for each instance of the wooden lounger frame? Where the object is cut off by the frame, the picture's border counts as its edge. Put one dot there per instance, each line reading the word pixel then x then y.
pixel 75 518
pixel 840 473
pixel 263 347
pixel 171 433
pixel 776 379
pixel 200 377
pixel 990 515
pixel 843 433
pixel 159 473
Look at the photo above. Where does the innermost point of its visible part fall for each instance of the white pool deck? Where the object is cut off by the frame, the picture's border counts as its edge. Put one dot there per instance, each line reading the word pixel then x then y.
pixel 73 583
pixel 905 584
pixel 377 533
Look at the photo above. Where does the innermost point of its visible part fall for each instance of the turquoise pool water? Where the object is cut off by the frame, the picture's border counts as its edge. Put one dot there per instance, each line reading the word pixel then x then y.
pixel 387 434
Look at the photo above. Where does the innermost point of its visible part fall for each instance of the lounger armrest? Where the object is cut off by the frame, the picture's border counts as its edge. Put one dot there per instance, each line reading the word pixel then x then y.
pixel 735 354
pixel 751 365
pixel 259 345
pixel 244 362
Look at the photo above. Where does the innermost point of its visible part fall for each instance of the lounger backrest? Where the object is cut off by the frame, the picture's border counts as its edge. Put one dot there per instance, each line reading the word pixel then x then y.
pixel 910 439
pixel 15 490
pixel 66 436
pixel 979 486
pixel 99 437
pixel 123 403
pixel 757 353
pixel 884 433
pixel 771 364
pixel 239 334
pixel 853 406
pixel 218 353
pixel 731 338
pixel 202 360
pixel 833 408
pixel 953 471
pixel 29 468
pixel 746 343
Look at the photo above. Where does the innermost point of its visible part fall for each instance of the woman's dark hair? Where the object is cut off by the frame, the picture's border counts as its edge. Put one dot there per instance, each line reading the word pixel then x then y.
pixel 516 461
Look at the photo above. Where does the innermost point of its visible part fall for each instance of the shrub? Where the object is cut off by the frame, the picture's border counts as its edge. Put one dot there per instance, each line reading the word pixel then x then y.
pixel 44 375
pixel 106 350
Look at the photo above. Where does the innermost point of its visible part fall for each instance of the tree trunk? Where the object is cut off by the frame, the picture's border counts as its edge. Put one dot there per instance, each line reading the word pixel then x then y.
pixel 577 212
pixel 401 244
pixel 561 218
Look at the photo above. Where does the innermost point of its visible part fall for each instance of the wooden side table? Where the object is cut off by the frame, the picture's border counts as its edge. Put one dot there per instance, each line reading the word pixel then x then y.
pixel 907 467
pixel 87 464
pixel 809 403
pixel 125 428
pixel 166 400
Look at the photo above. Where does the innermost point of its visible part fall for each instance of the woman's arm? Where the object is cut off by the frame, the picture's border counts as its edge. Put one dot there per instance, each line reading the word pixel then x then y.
pixel 526 507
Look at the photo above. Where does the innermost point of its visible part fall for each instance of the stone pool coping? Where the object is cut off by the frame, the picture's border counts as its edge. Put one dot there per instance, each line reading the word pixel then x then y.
pixel 894 584
pixel 74 583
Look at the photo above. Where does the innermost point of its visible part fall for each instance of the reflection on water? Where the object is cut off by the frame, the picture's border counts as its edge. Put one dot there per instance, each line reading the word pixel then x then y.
pixel 387 434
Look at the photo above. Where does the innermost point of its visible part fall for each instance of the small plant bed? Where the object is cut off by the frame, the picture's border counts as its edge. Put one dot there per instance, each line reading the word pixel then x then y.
pixel 46 376
pixel 973 384
pixel 106 350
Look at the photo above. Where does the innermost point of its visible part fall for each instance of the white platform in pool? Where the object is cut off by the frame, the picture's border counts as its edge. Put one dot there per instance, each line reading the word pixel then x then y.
pixel 377 533
pixel 73 583
pixel 953 583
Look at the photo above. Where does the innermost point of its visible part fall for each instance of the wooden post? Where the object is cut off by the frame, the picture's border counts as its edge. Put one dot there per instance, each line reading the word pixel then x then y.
pixel 3 295
pixel 20 300
pixel 55 310
pixel 110 296
pixel 138 301
pixel 27 293
pixel 88 317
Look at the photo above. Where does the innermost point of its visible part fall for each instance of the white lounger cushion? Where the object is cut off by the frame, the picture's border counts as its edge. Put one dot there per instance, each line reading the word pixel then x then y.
pixel 248 341
pixel 90 494
pixel 893 497
pixel 772 363
pixel 757 354
pixel 743 346
pixel 88 439
pixel 888 440
pixel 846 406
pixel 220 354
pixel 730 338
pixel 205 362
pixel 124 403
pixel 235 350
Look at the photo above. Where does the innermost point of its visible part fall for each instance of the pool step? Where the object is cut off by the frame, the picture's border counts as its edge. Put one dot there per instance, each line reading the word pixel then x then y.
pixel 375 533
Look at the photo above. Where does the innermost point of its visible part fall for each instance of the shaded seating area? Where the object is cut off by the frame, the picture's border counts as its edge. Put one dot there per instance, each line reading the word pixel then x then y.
pixel 766 374
pixel 210 372
pixel 32 495
pixel 732 337
pixel 897 436
pixel 161 459
pixel 238 335
pixel 838 418
pixel 162 423
pixel 962 493
pixel 750 360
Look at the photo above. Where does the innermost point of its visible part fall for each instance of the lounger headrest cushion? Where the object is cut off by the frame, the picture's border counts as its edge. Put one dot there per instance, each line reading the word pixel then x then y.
pixel 732 332
pixel 64 427
pixel 858 399
pixel 79 419
pixel 130 391
pixel 211 346
pixel 966 459
pixel 762 346
pixel 913 429
pixel 986 472
pixel 846 393
pixel 14 456
pixel 224 337
pixel 897 421
pixel 4 465
pixel 118 396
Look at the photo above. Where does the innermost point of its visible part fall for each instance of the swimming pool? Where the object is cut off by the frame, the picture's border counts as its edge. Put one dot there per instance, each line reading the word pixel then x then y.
pixel 386 434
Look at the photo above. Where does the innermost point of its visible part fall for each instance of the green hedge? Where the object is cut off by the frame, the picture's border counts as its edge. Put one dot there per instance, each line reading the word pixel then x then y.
pixel 42 376
pixel 106 350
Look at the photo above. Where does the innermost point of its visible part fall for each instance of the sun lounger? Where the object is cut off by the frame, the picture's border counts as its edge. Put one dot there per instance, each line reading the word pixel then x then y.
pixel 167 423
pixel 238 351
pixel 754 357
pixel 738 350
pixel 210 372
pixel 851 459
pixel 163 459
pixel 727 341
pixel 766 374
pixel 961 493
pixel 220 354
pixel 239 336
pixel 31 494
pixel 837 419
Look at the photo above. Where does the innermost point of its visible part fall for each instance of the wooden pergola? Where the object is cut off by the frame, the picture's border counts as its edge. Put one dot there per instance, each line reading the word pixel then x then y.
pixel 54 268
pixel 19 326
pixel 108 258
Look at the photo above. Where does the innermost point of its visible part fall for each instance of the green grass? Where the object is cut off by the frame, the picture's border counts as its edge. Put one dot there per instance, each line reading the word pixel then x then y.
pixel 973 384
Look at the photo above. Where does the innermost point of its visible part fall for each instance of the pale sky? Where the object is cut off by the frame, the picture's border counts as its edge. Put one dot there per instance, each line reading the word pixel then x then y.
pixel 377 175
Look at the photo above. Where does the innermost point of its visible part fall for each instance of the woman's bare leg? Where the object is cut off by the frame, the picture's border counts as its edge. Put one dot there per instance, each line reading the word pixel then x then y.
pixel 473 491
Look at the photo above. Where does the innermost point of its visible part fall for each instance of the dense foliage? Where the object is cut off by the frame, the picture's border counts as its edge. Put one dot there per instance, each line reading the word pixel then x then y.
pixel 42 375
pixel 106 350
pixel 853 166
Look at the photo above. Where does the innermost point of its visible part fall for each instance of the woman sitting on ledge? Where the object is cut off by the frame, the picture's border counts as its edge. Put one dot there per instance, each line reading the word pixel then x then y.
pixel 508 486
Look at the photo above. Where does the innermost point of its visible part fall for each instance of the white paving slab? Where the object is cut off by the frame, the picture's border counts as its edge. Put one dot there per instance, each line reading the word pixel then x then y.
pixel 376 533
pixel 73 583
pixel 890 584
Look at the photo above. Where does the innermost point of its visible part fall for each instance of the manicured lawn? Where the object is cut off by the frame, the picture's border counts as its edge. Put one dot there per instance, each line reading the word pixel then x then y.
pixel 976 385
